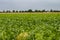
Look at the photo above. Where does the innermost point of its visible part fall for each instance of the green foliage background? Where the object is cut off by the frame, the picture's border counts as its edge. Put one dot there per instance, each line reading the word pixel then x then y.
pixel 39 26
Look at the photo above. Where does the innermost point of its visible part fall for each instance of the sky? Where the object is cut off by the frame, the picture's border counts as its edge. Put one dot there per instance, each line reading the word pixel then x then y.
pixel 29 4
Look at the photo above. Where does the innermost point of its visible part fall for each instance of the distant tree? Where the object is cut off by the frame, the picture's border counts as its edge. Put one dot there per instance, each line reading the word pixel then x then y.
pixel 20 11
pixel 56 10
pixel 30 10
pixel 13 11
pixel 8 11
pixel 37 11
pixel 51 10
pixel 0 12
pixel 16 11
pixel 26 11
pixel 3 11
pixel 43 10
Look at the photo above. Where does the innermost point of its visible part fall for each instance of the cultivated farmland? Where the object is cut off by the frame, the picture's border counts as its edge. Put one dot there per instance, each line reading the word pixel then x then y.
pixel 30 26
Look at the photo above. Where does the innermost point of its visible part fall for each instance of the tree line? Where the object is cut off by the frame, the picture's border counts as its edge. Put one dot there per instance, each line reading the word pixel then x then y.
pixel 30 10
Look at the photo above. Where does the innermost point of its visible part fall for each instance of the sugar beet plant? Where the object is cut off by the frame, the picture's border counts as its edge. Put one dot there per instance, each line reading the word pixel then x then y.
pixel 29 26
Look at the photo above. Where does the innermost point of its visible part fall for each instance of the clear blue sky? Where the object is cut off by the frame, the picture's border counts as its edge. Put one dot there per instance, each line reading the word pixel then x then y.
pixel 29 4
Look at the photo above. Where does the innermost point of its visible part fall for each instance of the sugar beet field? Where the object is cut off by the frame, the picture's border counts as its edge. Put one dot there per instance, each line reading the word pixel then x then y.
pixel 30 26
